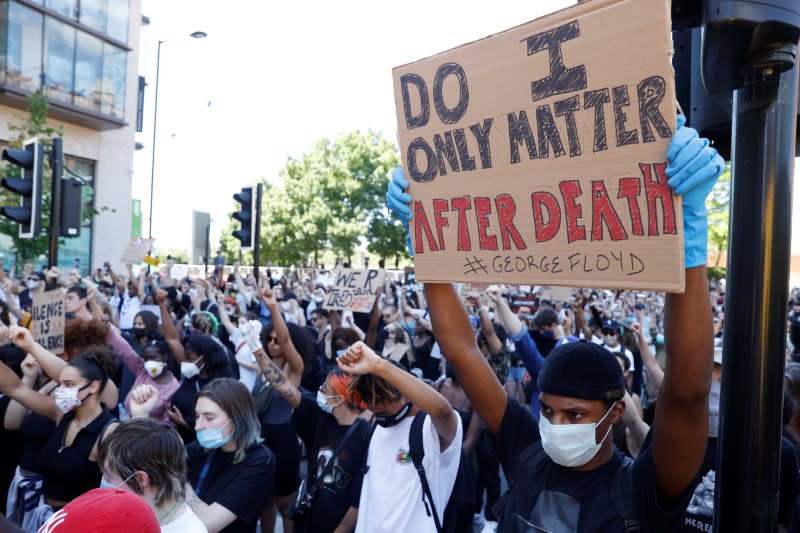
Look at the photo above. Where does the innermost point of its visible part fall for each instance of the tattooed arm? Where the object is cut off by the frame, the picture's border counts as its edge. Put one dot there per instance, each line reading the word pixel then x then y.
pixel 277 378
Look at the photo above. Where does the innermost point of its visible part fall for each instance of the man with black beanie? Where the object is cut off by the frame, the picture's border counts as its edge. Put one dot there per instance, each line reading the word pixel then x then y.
pixel 565 474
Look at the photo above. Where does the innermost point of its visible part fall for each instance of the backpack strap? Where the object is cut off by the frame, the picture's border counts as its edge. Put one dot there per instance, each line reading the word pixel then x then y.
pixel 532 454
pixel 622 495
pixel 417 452
pixel 314 487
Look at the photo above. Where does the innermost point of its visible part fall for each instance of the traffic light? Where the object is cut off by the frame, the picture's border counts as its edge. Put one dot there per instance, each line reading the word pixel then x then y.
pixel 28 214
pixel 245 217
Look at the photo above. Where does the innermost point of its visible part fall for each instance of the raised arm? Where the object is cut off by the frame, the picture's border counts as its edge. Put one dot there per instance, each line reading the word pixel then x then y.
pixel 361 359
pixel 171 336
pixel 374 320
pixel 50 362
pixel 453 332
pixel 681 425
pixel 494 342
pixel 290 353
pixel 654 372
pixel 12 386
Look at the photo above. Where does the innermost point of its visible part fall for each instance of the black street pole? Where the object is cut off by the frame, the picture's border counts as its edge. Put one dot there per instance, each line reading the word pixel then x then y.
pixel 57 168
pixel 764 115
pixel 257 232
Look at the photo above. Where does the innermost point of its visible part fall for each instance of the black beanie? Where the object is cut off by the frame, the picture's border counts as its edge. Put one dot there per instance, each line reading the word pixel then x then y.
pixel 582 370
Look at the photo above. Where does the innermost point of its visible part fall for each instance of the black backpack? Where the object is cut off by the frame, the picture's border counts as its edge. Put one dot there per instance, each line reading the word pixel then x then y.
pixel 461 505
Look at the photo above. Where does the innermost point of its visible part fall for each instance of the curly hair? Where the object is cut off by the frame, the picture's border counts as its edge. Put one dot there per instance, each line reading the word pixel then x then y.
pixel 82 334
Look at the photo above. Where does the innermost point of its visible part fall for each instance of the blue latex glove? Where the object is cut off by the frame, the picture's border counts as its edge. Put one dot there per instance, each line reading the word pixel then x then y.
pixel 397 200
pixel 693 168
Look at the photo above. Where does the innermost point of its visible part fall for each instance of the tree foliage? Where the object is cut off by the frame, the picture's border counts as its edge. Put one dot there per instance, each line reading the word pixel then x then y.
pixel 718 209
pixel 330 200
pixel 35 126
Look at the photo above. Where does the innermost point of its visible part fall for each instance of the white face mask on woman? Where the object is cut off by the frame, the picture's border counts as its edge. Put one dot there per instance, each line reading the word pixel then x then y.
pixel 67 398
pixel 571 445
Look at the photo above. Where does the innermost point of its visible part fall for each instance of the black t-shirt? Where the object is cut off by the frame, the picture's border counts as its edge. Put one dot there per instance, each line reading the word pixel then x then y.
pixel 561 500
pixel 10 448
pixel 700 512
pixel 342 486
pixel 242 488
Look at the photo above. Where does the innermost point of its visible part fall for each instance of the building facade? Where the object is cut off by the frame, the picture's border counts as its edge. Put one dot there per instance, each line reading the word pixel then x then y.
pixel 82 55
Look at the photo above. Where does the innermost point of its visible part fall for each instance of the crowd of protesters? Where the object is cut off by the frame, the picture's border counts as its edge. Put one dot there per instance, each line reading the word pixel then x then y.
pixel 217 402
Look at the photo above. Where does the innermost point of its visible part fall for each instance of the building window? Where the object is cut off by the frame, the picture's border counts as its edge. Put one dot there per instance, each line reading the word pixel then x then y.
pixel 88 72
pixel 118 14
pixel 23 47
pixel 68 64
pixel 76 252
pixel 59 54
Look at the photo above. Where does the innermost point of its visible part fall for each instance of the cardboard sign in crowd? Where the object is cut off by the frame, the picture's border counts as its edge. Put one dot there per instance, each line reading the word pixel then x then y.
pixel 47 316
pixel 354 289
pixel 537 155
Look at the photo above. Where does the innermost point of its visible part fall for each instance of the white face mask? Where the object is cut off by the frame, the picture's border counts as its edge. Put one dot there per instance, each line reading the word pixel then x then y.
pixel 571 445
pixel 286 306
pixel 189 369
pixel 318 299
pixel 32 284
pixel 154 368
pixel 67 398
pixel 611 340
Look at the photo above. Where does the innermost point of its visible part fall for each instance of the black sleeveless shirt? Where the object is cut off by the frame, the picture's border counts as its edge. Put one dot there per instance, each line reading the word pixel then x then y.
pixel 67 470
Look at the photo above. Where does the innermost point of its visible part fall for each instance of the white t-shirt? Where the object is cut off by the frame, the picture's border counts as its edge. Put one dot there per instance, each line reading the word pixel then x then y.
pixel 620 349
pixel 130 308
pixel 185 523
pixel 391 494
pixel 246 375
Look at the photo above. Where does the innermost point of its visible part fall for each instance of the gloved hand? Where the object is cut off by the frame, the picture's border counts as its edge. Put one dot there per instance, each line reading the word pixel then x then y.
pixel 251 331
pixel 693 168
pixel 397 200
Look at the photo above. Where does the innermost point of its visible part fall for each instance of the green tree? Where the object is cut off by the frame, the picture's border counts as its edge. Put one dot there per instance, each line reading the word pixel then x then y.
pixel 328 199
pixel 34 127
pixel 718 209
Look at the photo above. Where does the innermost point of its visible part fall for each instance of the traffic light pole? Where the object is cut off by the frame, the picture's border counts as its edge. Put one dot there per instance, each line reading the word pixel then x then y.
pixel 57 167
pixel 764 114
pixel 257 232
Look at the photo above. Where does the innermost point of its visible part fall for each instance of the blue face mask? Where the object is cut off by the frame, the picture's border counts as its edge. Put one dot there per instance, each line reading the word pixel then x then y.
pixel 211 438
pixel 322 402
pixel 547 334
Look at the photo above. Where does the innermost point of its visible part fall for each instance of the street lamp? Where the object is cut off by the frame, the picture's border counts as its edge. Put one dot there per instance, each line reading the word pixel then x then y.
pixel 194 35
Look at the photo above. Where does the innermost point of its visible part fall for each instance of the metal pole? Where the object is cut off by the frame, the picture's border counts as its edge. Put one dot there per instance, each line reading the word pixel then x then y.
pixel 56 167
pixel 257 232
pixel 153 158
pixel 764 114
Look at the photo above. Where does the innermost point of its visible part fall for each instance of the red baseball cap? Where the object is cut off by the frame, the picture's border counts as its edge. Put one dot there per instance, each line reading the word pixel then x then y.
pixel 104 511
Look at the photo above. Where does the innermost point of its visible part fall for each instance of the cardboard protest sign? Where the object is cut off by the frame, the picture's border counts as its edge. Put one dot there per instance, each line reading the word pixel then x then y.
pixel 354 289
pixel 537 155
pixel 47 316
pixel 557 294
pixel 136 251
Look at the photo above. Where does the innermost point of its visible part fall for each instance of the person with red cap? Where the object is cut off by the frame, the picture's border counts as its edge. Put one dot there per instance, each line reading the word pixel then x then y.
pixel 104 511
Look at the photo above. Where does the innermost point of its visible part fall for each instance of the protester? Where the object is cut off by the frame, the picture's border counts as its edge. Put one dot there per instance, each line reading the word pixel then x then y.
pixel 277 429
pixel 395 396
pixel 149 459
pixel 561 467
pixel 104 511
pixel 230 471
pixel 335 437
pixel 68 461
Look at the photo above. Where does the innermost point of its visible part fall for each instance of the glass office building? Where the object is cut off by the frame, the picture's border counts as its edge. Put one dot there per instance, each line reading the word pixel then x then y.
pixel 81 55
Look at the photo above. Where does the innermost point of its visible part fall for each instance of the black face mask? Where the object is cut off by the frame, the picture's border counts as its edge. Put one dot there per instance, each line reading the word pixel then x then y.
pixel 388 421
pixel 139 332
